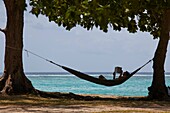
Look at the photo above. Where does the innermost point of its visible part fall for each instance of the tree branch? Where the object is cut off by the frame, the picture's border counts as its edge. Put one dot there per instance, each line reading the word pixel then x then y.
pixel 2 30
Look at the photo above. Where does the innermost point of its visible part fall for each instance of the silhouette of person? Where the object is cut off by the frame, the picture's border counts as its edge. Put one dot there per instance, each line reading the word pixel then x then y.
pixel 117 70
pixel 125 74
pixel 101 77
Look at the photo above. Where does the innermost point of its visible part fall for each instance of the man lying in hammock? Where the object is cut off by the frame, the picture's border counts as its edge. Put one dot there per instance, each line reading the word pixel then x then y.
pixel 120 72
pixel 117 70
pixel 125 74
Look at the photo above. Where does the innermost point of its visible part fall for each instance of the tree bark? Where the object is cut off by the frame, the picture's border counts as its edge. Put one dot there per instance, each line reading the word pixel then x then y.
pixel 158 89
pixel 13 80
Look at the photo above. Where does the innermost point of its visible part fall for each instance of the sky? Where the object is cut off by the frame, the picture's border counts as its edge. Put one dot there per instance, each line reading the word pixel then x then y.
pixel 87 51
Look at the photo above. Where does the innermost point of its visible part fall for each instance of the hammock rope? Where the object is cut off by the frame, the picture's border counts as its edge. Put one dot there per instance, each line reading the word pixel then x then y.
pixel 84 76
pixel 89 78
pixel 27 51
pixel 50 61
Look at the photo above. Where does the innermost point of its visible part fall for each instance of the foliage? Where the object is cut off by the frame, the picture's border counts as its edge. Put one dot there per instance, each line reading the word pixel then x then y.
pixel 143 15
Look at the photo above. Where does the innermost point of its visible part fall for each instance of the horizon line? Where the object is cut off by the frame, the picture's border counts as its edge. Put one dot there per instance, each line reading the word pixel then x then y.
pixel 51 73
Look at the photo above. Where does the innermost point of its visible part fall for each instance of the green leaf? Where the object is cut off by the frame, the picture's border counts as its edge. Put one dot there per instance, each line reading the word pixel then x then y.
pixel 102 13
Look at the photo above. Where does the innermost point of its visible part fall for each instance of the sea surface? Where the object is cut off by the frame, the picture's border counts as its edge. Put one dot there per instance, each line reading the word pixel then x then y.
pixel 58 82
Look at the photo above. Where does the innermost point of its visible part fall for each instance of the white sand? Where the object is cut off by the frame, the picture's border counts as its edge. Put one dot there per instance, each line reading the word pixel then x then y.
pixel 78 109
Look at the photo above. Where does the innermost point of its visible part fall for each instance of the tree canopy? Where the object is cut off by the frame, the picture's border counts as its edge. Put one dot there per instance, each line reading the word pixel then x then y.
pixel 134 15
pixel 143 15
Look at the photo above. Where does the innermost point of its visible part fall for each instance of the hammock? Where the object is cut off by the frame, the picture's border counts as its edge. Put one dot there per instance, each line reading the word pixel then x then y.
pixel 92 79
pixel 89 78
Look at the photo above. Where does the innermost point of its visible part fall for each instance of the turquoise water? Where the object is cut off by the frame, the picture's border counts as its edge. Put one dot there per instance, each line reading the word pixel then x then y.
pixel 135 86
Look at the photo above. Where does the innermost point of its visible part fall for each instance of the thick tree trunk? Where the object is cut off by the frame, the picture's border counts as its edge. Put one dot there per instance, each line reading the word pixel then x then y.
pixel 158 89
pixel 14 81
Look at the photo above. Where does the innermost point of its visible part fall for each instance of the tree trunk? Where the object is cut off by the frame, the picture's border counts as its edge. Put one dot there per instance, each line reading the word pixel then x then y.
pixel 158 89
pixel 13 80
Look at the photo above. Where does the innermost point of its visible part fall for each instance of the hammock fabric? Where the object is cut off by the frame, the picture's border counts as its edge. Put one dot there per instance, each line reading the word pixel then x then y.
pixel 89 78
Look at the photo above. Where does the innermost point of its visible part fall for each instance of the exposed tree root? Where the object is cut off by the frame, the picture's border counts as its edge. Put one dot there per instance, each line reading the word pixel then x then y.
pixel 10 85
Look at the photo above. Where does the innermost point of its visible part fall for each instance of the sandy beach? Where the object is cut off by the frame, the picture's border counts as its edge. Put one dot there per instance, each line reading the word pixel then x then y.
pixel 107 104
pixel 79 109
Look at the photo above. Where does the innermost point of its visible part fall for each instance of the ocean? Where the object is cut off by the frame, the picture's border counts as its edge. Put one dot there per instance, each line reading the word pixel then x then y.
pixel 58 82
